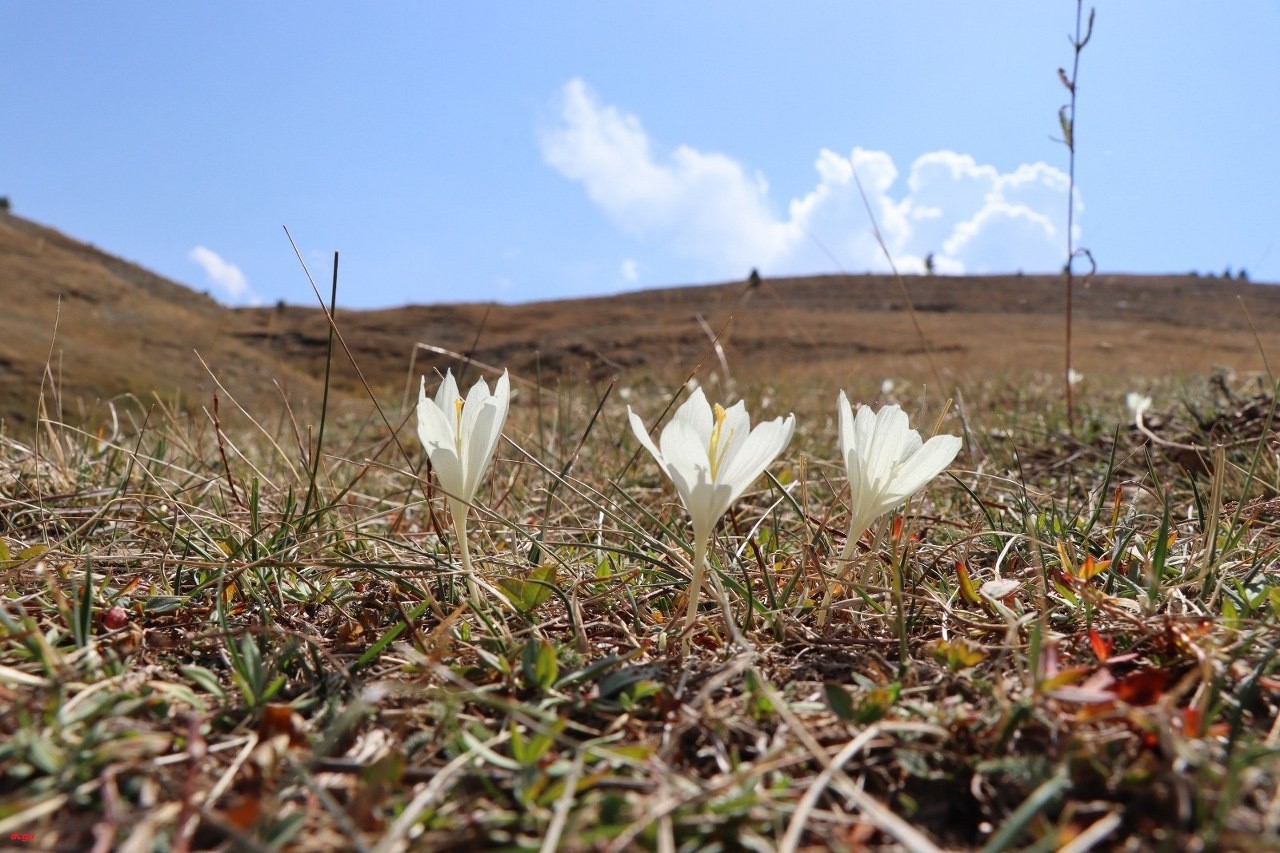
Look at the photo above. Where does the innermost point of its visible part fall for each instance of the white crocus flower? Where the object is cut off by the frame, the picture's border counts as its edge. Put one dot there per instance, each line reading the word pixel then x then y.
pixel 886 461
pixel 712 456
pixel 1138 405
pixel 460 437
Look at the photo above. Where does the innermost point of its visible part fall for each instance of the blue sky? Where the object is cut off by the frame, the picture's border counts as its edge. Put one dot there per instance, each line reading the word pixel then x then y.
pixel 522 151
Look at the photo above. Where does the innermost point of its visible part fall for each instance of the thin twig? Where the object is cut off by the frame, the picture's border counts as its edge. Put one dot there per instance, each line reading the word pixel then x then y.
pixel 902 285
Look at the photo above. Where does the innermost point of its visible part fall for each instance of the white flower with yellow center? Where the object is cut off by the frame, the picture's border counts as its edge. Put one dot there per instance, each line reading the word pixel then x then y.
pixel 886 461
pixel 712 456
pixel 460 437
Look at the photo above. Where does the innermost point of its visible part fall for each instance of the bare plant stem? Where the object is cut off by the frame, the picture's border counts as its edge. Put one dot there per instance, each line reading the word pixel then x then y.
pixel 700 542
pixel 458 511
pixel 845 562
pixel 1068 122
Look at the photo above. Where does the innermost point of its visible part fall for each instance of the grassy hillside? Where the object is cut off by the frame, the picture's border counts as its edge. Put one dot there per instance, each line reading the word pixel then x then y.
pixel 104 327
pixel 121 329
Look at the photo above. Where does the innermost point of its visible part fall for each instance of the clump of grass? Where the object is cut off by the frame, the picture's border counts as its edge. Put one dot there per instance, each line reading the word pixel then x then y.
pixel 1077 646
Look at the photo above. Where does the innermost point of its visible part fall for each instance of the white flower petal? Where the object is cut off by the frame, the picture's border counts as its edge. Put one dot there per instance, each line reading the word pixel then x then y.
pixel 685 453
pixel 434 427
pixel 449 472
pixel 886 460
pixel 713 501
pixel 479 446
pixel 696 413
pixel 848 439
pixel 461 449
pixel 502 395
pixel 927 463
pixel 761 447
pixel 690 472
pixel 486 429
pixel 864 428
pixel 642 434
pixel 734 431
pixel 880 454
pixel 476 398
pixel 447 393
pixel 911 442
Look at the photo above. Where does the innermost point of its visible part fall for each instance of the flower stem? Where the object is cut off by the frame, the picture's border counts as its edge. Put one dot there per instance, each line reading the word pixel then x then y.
pixel 843 564
pixel 458 510
pixel 900 616
pixel 695 584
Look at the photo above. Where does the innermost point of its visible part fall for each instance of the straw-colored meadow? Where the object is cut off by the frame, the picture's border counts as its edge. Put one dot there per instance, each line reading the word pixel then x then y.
pixel 269 637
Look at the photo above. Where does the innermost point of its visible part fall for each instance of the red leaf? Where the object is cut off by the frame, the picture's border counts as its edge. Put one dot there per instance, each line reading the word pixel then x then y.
pixel 278 719
pixel 1101 645
pixel 1143 687
pixel 1192 722
pixel 244 814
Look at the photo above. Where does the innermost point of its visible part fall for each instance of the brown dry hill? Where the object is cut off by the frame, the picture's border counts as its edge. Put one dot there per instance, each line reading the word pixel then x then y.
pixel 840 328
pixel 122 330
pixel 106 328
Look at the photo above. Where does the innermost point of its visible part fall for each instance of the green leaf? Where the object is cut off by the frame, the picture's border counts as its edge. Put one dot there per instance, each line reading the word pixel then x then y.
pixel 527 594
pixel 547 667
pixel 540 743
pixel 178 692
pixel 164 603
pixel 876 704
pixel 83 609
pixel 44 755
pixel 839 701
pixel 628 753
pixel 204 679
pixel 633 697
pixel 390 635
pixel 538 660
pixel 385 771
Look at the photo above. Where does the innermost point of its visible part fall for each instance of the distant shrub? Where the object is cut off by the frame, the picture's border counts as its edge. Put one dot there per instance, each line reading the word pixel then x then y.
pixel 1243 275
pixel 4 204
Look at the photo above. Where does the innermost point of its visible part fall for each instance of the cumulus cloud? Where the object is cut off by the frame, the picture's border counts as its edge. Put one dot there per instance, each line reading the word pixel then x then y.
pixel 705 206
pixel 971 217
pixel 629 271
pixel 226 277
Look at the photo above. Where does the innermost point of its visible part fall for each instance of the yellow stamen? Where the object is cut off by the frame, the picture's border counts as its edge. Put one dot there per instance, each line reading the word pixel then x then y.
pixel 714 450
pixel 457 431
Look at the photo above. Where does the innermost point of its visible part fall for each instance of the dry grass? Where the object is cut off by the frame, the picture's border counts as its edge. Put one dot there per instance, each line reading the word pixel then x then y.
pixel 195 653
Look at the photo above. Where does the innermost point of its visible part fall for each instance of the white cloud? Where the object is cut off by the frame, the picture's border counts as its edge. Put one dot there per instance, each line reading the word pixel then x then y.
pixel 705 206
pixel 629 271
pixel 225 276
pixel 709 208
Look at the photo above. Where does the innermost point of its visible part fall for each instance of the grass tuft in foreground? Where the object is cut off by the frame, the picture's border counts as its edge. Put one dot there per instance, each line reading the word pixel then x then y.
pixel 1070 642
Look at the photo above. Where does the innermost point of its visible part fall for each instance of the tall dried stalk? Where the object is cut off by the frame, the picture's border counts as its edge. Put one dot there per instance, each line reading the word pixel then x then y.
pixel 1067 119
